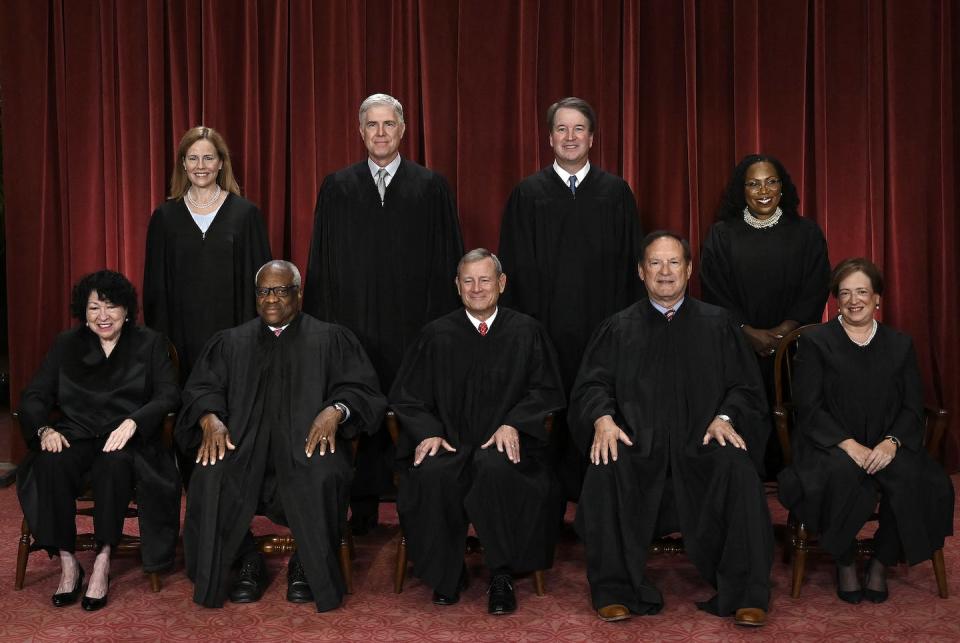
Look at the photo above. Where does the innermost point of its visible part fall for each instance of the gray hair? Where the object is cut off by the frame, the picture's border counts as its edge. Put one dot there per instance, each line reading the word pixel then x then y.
pixel 279 264
pixel 385 100
pixel 479 254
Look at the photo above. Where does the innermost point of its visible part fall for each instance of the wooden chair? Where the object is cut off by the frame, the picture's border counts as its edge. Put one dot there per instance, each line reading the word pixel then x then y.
pixel 472 545
pixel 803 541
pixel 85 541
pixel 270 544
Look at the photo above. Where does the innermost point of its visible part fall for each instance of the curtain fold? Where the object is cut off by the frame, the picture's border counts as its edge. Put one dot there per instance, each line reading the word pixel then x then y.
pixel 856 97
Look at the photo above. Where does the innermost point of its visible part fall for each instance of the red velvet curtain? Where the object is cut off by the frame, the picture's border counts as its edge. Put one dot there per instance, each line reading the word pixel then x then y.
pixel 857 97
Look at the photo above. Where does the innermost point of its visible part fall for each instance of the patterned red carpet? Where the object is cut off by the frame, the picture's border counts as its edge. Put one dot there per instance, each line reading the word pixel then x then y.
pixel 375 613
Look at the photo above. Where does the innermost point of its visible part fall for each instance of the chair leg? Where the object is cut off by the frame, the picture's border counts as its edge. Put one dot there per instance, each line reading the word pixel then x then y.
pixel 154 582
pixel 346 567
pixel 538 582
pixel 799 568
pixel 401 571
pixel 23 552
pixel 940 572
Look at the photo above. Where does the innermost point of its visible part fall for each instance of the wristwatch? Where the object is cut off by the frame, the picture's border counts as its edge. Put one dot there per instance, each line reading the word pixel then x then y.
pixel 894 439
pixel 41 430
pixel 725 418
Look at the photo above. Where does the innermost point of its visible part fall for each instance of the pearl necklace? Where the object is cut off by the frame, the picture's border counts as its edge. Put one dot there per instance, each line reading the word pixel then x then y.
pixel 873 332
pixel 760 224
pixel 206 204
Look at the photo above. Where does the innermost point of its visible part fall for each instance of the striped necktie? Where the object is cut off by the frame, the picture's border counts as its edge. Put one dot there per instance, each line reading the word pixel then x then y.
pixel 482 328
pixel 669 314
pixel 573 184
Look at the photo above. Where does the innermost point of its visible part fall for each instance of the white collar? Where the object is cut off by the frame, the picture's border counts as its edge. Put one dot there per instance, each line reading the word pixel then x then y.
pixel 391 167
pixel 476 322
pixel 565 176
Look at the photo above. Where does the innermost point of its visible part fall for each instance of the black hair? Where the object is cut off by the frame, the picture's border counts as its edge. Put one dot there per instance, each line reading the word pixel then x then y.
pixel 733 202
pixel 110 286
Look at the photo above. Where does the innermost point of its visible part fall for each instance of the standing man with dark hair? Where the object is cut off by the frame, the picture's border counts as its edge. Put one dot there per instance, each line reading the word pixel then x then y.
pixel 569 240
pixel 386 241
pixel 669 408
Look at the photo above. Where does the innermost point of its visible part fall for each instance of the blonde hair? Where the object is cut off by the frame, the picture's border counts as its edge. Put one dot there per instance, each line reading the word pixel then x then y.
pixel 180 182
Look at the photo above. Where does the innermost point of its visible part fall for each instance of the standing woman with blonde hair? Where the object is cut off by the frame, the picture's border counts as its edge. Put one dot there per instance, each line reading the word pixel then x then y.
pixel 204 246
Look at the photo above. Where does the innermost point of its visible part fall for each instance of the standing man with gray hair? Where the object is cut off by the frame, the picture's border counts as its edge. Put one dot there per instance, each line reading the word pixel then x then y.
pixel 386 242
pixel 569 241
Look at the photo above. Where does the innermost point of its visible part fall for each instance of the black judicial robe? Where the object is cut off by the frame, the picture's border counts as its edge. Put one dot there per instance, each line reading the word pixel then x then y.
pixel 459 385
pixel 842 390
pixel 663 383
pixel 268 390
pixel 571 261
pixel 383 271
pixel 765 276
pixel 94 394
pixel 196 284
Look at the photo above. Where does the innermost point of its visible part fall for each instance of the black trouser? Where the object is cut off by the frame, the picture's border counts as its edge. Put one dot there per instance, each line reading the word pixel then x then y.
pixel 60 479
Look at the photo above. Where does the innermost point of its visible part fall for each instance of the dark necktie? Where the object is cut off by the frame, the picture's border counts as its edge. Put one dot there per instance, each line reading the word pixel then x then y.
pixel 573 184
pixel 669 314
pixel 482 328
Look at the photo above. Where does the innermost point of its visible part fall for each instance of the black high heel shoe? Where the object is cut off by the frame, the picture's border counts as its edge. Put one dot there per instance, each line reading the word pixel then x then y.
pixel 69 598
pixel 93 604
pixel 875 595
pixel 853 596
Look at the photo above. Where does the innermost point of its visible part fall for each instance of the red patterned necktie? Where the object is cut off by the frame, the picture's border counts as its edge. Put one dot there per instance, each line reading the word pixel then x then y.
pixel 277 331
pixel 669 314
pixel 482 328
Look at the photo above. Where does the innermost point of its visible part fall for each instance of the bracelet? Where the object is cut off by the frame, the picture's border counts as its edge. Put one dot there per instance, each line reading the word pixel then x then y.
pixel 893 439
pixel 344 413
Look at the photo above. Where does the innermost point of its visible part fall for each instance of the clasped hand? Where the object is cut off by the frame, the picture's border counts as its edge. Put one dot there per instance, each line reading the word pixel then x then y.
pixel 870 460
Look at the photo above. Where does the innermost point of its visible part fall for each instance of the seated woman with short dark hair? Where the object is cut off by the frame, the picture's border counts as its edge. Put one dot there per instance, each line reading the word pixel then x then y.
pixel 112 383
pixel 859 408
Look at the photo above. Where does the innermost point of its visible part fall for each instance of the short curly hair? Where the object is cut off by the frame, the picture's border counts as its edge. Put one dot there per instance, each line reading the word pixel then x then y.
pixel 110 286
pixel 733 203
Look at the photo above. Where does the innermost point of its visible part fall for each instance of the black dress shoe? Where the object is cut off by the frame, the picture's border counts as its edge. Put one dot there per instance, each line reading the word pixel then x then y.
pixel 93 604
pixel 251 581
pixel 443 599
pixel 853 596
pixel 298 589
pixel 69 598
pixel 502 600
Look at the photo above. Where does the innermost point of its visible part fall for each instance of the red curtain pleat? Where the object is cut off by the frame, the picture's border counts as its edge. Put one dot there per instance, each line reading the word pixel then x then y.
pixel 857 97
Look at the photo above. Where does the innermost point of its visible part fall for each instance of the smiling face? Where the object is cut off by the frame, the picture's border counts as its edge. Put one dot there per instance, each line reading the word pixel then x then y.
pixel 665 272
pixel 202 163
pixel 104 317
pixel 480 287
pixel 276 310
pixel 857 300
pixel 571 139
pixel 381 131
pixel 762 189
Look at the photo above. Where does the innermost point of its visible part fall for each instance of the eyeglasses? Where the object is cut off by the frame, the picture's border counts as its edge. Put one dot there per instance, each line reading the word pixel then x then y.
pixel 280 291
pixel 193 159
pixel 754 186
